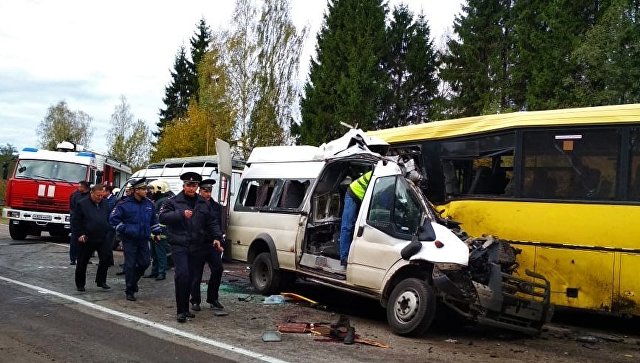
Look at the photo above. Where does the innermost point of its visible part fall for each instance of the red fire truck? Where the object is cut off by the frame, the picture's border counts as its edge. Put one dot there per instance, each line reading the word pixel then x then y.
pixel 37 194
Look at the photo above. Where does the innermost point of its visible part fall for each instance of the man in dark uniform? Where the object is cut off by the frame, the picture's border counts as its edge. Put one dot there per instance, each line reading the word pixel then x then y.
pixel 207 253
pixel 189 221
pixel 75 197
pixel 134 220
pixel 90 219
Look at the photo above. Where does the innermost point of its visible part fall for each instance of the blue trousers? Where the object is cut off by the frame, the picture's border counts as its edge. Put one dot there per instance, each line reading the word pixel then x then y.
pixel 182 278
pixel 210 256
pixel 137 258
pixel 349 215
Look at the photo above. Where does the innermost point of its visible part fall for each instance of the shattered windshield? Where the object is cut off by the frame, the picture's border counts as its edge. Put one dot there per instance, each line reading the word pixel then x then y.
pixel 50 170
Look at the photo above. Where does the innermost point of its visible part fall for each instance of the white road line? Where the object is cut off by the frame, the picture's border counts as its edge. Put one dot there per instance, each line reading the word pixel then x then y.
pixel 150 323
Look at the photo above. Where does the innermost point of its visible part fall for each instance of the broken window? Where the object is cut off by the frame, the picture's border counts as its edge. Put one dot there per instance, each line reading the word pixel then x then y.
pixel 293 193
pixel 480 166
pixel 256 193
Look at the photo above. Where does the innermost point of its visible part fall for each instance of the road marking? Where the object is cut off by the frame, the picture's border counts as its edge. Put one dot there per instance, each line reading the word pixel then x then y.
pixel 149 323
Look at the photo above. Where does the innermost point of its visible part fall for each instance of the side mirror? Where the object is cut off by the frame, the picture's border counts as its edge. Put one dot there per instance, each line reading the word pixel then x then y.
pixel 5 170
pixel 426 232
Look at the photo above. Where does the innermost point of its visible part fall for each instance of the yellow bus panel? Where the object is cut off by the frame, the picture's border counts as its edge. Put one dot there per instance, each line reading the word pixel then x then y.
pixel 626 299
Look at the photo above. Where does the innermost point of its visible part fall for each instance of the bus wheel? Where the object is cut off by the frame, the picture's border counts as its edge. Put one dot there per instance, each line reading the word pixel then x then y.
pixel 17 231
pixel 411 307
pixel 264 277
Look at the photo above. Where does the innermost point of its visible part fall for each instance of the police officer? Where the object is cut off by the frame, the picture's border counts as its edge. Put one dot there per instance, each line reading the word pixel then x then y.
pixel 189 221
pixel 90 218
pixel 207 253
pixel 134 219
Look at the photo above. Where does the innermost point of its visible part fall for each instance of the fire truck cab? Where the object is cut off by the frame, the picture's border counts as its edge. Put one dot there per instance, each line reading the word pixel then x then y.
pixel 38 190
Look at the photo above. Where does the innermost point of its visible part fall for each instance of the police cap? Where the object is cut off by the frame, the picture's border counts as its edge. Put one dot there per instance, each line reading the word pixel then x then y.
pixel 207 184
pixel 190 177
pixel 140 183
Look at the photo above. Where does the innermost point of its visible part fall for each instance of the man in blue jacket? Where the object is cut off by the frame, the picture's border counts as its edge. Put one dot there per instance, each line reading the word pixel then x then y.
pixel 189 222
pixel 134 219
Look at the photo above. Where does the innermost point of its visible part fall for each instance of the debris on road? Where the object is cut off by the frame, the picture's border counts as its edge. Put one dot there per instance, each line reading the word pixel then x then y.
pixel 271 336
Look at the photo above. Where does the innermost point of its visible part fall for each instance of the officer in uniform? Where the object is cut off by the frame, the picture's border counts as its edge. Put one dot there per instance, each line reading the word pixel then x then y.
pixel 134 220
pixel 208 253
pixel 189 221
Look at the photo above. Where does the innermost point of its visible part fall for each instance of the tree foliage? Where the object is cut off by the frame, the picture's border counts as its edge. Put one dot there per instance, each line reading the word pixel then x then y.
pixel 210 117
pixel 411 65
pixel 476 64
pixel 279 45
pixel 127 141
pixel 346 82
pixel 200 43
pixel 177 93
pixel 62 124
pixel 608 59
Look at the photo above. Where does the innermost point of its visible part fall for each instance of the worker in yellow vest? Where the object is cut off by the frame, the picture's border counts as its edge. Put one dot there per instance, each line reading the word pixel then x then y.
pixel 352 200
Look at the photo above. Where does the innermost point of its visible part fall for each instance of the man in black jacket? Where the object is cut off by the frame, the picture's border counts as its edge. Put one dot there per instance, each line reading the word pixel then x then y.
pixel 189 222
pixel 208 253
pixel 75 197
pixel 90 219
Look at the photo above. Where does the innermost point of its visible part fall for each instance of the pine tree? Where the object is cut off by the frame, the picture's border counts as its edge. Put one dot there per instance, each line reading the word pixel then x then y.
pixel 346 80
pixel 177 93
pixel 476 67
pixel 200 43
pixel 411 65
pixel 609 58
pixel 546 33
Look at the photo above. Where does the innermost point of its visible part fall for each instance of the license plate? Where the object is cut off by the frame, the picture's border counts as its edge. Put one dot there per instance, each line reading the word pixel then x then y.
pixel 40 217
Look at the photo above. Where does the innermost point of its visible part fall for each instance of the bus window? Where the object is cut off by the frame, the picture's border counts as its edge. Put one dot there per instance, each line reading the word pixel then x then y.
pixel 634 171
pixel 578 165
pixel 482 166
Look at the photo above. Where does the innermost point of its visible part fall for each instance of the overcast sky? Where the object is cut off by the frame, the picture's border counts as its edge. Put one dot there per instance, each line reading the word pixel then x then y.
pixel 89 53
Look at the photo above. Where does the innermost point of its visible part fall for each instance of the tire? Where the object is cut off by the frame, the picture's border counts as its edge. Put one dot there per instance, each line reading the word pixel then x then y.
pixel 18 232
pixel 264 277
pixel 59 234
pixel 411 307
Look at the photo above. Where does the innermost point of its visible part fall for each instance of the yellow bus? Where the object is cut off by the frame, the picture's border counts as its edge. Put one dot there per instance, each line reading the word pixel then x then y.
pixel 563 186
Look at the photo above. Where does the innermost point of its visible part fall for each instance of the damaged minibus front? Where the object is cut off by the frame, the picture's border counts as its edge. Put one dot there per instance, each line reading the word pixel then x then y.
pixel 286 222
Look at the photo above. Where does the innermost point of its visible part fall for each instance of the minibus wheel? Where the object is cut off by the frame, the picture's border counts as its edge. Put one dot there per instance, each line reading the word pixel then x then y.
pixel 411 307
pixel 264 277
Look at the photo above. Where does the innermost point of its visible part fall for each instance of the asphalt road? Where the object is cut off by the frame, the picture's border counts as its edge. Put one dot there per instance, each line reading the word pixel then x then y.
pixel 44 318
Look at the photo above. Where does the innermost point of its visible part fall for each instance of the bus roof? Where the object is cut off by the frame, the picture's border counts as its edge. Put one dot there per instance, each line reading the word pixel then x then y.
pixel 192 160
pixel 619 114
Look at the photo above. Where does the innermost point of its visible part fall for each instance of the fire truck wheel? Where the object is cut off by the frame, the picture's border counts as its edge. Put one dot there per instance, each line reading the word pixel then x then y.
pixel 411 307
pixel 17 231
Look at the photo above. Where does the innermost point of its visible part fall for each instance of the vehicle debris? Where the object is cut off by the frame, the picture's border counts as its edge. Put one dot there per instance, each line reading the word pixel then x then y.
pixel 271 336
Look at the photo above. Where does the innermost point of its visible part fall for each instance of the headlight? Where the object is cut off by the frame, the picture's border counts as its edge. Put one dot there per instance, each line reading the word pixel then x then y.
pixel 13 214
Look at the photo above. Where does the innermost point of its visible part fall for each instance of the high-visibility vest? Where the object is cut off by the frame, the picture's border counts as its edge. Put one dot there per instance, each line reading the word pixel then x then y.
pixel 359 186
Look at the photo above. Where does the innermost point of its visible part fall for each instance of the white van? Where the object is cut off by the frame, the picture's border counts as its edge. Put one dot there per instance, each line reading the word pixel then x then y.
pixel 285 222
pixel 170 170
